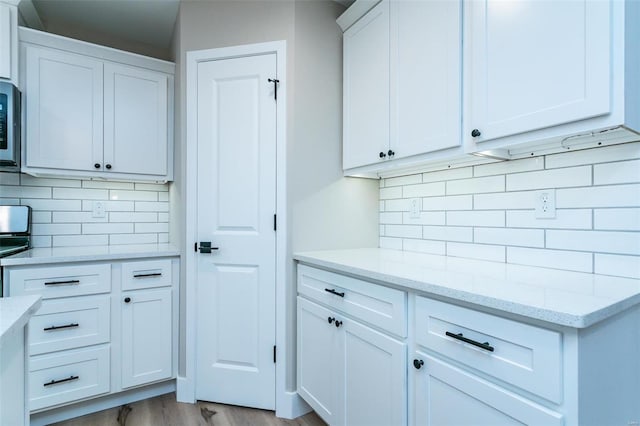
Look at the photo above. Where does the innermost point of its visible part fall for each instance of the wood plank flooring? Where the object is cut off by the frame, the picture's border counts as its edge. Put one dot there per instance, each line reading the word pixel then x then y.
pixel 164 410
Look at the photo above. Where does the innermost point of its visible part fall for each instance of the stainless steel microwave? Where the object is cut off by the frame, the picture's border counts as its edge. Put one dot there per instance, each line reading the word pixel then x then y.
pixel 9 127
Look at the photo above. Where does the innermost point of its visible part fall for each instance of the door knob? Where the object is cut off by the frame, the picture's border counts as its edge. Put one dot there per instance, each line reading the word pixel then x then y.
pixel 475 133
pixel 97 165
pixel 418 363
pixel 338 323
pixel 382 154
pixel 391 153
pixel 205 247
pixel 331 319
pixel 127 299
pixel 108 166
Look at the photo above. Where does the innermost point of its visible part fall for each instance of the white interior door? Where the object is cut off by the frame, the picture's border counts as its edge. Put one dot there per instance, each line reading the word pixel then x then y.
pixel 236 142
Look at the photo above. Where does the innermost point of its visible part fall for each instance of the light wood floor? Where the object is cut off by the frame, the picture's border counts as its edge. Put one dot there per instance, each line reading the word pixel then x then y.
pixel 165 411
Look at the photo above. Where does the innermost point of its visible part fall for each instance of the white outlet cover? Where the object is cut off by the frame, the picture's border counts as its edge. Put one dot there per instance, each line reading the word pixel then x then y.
pixel 99 209
pixel 545 203
pixel 415 205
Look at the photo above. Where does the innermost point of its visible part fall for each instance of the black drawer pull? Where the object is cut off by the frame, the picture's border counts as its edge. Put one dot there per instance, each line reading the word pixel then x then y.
pixel 486 346
pixel 62 282
pixel 155 274
pixel 55 382
pixel 60 327
pixel 333 291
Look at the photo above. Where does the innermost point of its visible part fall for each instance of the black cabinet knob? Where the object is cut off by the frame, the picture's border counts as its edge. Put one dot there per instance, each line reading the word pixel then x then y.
pixel 382 154
pixel 331 319
pixel 391 153
pixel 97 165
pixel 475 133
pixel 108 166
pixel 127 299
pixel 338 323
pixel 418 363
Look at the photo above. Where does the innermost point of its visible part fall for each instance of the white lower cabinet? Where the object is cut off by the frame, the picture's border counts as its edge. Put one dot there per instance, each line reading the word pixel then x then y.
pixel 146 346
pixel 348 371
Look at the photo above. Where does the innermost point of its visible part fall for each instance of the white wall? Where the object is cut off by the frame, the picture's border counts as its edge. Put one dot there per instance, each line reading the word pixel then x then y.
pixel 487 211
pixel 137 213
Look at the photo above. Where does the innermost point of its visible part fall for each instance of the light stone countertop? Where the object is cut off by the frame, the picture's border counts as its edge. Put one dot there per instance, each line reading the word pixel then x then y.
pixel 567 298
pixel 15 313
pixel 38 256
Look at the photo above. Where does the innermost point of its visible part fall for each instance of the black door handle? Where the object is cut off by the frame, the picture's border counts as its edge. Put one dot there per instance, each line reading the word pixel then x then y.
pixel 205 247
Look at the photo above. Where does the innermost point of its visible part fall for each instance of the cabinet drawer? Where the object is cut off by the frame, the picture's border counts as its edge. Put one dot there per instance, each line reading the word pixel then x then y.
pixel 381 306
pixel 69 323
pixel 68 376
pixel 523 355
pixel 146 274
pixel 61 281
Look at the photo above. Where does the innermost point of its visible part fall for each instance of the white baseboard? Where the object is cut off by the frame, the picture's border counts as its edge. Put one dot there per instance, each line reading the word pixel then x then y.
pixel 102 403
pixel 185 390
pixel 292 406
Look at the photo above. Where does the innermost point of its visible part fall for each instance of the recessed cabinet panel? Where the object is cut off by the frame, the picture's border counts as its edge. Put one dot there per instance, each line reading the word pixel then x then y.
pixel 536 64
pixel 8 42
pixel 135 133
pixel 63 110
pixel 366 89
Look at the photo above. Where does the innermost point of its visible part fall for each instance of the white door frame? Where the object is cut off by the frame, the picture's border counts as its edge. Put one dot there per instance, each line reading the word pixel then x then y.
pixel 186 385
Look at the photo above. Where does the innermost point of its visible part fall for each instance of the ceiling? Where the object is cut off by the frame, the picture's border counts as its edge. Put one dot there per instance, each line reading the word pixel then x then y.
pixel 141 22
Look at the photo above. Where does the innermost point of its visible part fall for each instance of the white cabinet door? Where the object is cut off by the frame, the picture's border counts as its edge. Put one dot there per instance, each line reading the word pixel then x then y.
pixel 536 64
pixel 366 89
pixel 63 110
pixel 426 97
pixel 375 370
pixel 146 336
pixel 445 395
pixel 135 120
pixel 320 370
pixel 8 41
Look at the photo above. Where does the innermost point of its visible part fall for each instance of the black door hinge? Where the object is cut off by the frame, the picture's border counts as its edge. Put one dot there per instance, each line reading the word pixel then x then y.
pixel 274 354
pixel 275 222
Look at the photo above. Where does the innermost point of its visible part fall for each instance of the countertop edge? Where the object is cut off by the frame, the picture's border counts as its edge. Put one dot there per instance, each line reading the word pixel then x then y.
pixel 19 315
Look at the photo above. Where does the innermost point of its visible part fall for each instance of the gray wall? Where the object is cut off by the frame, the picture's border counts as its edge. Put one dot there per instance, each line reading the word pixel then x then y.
pixel 325 210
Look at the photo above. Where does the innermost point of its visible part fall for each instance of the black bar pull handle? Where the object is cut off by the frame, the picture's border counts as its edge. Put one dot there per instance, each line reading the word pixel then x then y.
pixel 333 291
pixel 62 282
pixel 155 274
pixel 275 82
pixel 486 346
pixel 55 382
pixel 205 247
pixel 60 327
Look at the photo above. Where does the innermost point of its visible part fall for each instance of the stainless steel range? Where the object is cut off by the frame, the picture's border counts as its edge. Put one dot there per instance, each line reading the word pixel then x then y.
pixel 15 232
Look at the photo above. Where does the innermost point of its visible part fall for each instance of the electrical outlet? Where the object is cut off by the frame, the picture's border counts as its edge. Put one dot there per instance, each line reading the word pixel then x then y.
pixel 99 209
pixel 545 203
pixel 415 207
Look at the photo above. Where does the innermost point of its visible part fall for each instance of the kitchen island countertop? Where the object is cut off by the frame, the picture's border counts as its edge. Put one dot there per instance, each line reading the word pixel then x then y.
pixel 38 256
pixel 566 298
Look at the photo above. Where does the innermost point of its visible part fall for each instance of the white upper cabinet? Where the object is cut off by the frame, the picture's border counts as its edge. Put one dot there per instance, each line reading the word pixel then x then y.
pixel 8 42
pixel 95 112
pixel 402 82
pixel 63 110
pixel 366 89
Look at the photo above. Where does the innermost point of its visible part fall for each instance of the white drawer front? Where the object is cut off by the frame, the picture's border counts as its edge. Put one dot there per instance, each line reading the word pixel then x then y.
pixel 69 323
pixel 146 274
pixel 68 376
pixel 526 356
pixel 378 305
pixel 60 281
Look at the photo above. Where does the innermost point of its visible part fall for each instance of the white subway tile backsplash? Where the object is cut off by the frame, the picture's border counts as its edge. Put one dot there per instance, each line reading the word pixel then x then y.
pixel 162 217
pixel 426 218
pixel 9 179
pixel 122 195
pixel 76 217
pixel 38 241
pixel 565 219
pixel 150 206
pixel 593 156
pixel 476 185
pixel 620 172
pixel 110 206
pixel 509 237
pixel 120 239
pixel 446 175
pixel 489 211
pixel 55 229
pixel 599 196
pixel 26 180
pixel 447 233
pixel 390 193
pixel 163 196
pixel 100 184
pixel 558 178
pixel 25 192
pixel 505 167
pixel 107 228
pixel 163 238
pixel 80 194
pixel 137 217
pixel 40 217
pixel 476 218
pixel 424 246
pixel 52 205
pixel 423 190
pixel 141 228
pixel 80 240
pixel 10 201
pixel 402 180
pixel 476 251
pixel 556 259
pixel 151 186
pixel 453 202
pixel 403 231
pixel 595 241
pixel 617 219
pixel 621 266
